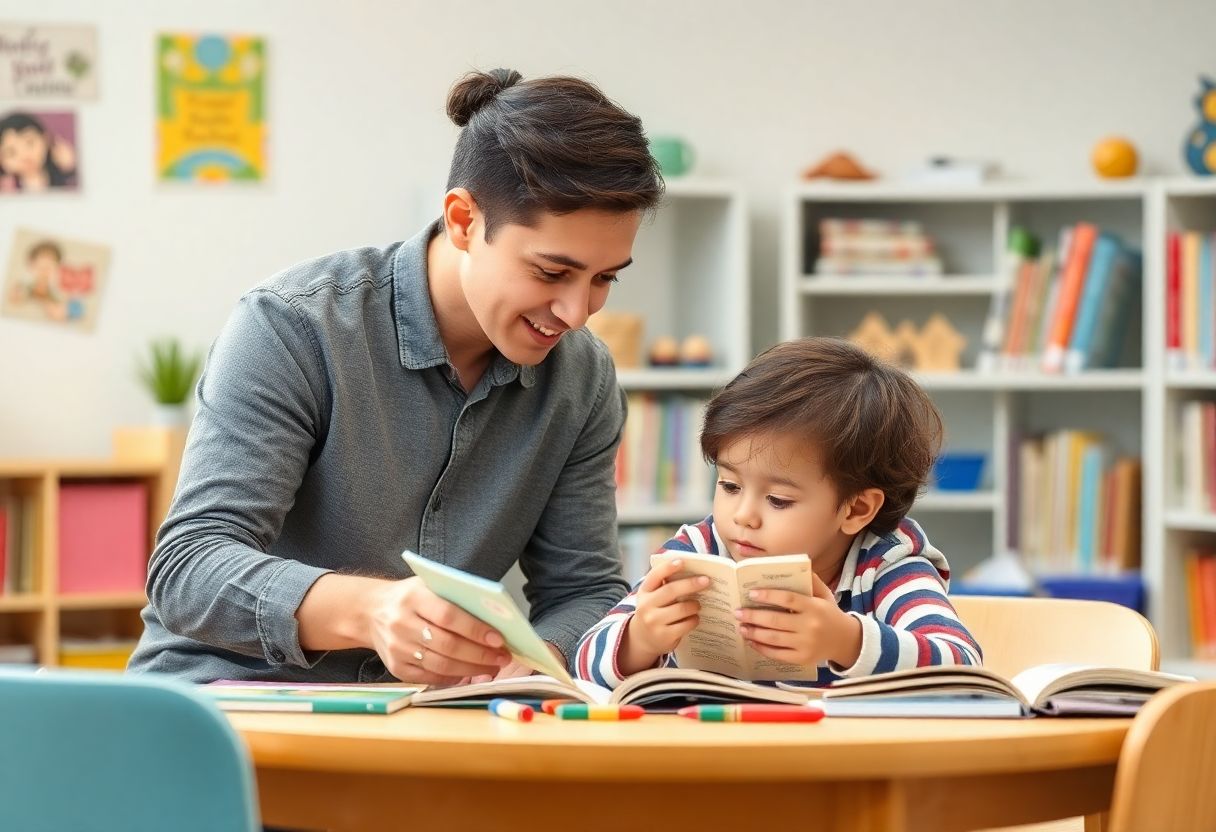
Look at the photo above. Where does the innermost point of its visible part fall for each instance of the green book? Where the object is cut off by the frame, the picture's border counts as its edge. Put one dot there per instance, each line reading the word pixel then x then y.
pixel 308 698
pixel 489 602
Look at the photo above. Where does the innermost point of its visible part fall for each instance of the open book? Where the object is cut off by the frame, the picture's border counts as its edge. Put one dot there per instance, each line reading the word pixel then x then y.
pixel 660 688
pixel 715 644
pixel 1048 690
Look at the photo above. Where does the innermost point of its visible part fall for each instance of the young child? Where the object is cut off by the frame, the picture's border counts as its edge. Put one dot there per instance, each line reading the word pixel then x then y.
pixel 820 449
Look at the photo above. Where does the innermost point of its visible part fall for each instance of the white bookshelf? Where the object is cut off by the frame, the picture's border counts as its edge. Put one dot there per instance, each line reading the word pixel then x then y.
pixel 984 411
pixel 689 277
pixel 1182 204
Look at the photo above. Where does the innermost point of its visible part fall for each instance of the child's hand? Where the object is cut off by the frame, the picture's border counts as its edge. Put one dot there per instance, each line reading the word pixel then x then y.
pixel 806 631
pixel 665 614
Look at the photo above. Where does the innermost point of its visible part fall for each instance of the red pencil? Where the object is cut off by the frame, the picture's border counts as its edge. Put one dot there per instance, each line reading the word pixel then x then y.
pixel 753 713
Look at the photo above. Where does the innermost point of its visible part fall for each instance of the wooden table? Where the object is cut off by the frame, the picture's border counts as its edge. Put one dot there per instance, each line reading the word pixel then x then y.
pixel 457 769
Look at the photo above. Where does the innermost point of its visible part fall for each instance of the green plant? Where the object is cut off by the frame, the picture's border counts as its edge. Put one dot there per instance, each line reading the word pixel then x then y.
pixel 170 375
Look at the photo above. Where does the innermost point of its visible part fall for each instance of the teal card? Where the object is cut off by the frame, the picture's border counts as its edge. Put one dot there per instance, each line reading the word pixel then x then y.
pixel 490 602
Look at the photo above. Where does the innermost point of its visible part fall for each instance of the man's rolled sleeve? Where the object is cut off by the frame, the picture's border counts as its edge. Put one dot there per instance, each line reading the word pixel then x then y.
pixel 277 627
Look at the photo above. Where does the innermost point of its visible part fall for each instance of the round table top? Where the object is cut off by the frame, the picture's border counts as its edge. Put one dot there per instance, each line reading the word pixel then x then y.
pixel 472 743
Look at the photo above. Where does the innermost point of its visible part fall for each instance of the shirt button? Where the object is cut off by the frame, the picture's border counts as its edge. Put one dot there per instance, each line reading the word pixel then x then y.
pixel 277 655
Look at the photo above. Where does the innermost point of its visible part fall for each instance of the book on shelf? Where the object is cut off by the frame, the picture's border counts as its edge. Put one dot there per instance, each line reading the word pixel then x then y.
pixel 1201 598
pixel 308 698
pixel 1059 689
pixel 716 645
pixel 659 688
pixel 1190 295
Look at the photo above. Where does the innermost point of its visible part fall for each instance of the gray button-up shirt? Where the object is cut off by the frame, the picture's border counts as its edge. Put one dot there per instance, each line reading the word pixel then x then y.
pixel 331 435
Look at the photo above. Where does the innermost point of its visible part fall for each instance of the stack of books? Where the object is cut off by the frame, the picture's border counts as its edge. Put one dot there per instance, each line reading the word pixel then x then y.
pixel 873 247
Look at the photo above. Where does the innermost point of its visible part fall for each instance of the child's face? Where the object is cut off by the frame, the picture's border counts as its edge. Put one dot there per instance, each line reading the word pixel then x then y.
pixel 772 498
pixel 553 275
pixel 43 267
pixel 22 152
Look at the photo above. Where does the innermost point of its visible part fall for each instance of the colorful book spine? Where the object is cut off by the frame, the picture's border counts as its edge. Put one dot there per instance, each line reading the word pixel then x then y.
pixel 1105 252
pixel 1072 283
pixel 1173 302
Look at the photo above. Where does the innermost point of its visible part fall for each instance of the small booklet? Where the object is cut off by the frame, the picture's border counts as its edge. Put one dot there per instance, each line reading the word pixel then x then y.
pixel 490 602
pixel 309 698
pixel 1044 690
pixel 660 688
pixel 715 644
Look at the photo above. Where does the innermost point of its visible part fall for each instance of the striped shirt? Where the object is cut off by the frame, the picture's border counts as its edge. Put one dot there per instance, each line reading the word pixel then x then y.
pixel 894 584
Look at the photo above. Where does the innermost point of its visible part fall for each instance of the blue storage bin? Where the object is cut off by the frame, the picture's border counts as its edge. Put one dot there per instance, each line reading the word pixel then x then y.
pixel 1126 589
pixel 957 471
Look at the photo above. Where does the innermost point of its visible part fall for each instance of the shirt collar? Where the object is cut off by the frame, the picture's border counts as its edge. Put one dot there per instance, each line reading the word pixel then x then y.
pixel 418 337
pixel 848 570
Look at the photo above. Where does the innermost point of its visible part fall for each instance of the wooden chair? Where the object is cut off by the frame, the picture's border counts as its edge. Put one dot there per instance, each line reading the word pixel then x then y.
pixel 1017 633
pixel 1168 764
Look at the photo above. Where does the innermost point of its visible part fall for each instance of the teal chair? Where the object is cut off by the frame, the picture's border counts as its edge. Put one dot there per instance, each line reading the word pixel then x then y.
pixel 105 751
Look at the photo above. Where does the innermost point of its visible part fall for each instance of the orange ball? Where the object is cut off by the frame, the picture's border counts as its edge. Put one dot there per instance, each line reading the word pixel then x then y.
pixel 1114 158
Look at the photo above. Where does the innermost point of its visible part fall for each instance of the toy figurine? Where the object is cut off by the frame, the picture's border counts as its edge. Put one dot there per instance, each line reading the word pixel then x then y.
pixel 1200 149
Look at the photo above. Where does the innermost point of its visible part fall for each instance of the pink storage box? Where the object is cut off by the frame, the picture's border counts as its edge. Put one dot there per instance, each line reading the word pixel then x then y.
pixel 103 537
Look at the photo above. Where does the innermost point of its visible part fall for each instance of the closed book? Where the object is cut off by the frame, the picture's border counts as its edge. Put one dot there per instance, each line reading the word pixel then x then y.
pixel 1106 250
pixel 318 699
pixel 1072 283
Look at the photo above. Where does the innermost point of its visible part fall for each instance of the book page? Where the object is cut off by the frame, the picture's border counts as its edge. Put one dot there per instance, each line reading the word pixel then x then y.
pixel 1042 682
pixel 535 686
pixel 665 685
pixel 788 572
pixel 715 644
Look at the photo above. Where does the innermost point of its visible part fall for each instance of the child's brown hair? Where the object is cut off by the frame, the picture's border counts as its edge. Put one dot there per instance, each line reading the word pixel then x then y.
pixel 872 425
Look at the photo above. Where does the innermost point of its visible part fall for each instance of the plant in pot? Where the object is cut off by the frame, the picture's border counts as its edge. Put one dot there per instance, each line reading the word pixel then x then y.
pixel 169 374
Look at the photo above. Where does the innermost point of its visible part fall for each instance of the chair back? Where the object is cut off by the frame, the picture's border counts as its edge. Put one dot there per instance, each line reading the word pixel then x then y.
pixel 1017 633
pixel 1167 767
pixel 104 751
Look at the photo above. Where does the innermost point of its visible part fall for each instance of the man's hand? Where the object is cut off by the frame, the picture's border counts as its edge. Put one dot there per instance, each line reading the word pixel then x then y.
pixel 409 621
pixel 806 630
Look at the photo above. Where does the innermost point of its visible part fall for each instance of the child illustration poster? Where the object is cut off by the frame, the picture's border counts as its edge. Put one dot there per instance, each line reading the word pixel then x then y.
pixel 40 61
pixel 37 152
pixel 211 108
pixel 54 280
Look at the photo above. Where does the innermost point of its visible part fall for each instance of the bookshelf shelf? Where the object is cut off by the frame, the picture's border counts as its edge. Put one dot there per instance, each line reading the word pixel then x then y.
pixel 674 515
pixel 1191 380
pixel 1191 521
pixel 864 285
pixel 22 603
pixel 1091 380
pixel 101 601
pixel 674 379
pixel 958 501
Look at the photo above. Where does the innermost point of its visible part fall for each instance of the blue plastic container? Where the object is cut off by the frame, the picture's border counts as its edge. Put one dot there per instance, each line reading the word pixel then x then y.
pixel 958 471
pixel 1126 589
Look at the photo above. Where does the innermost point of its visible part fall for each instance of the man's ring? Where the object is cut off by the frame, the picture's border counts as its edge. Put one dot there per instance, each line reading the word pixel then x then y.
pixel 419 655
pixel 427 635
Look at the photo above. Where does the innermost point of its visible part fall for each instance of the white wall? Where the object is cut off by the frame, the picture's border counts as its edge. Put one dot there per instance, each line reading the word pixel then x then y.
pixel 360 144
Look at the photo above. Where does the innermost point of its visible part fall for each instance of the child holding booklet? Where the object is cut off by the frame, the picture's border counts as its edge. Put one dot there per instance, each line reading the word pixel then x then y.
pixel 820 449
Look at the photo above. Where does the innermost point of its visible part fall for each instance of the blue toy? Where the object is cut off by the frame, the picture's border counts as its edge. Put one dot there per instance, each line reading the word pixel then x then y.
pixel 1200 148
